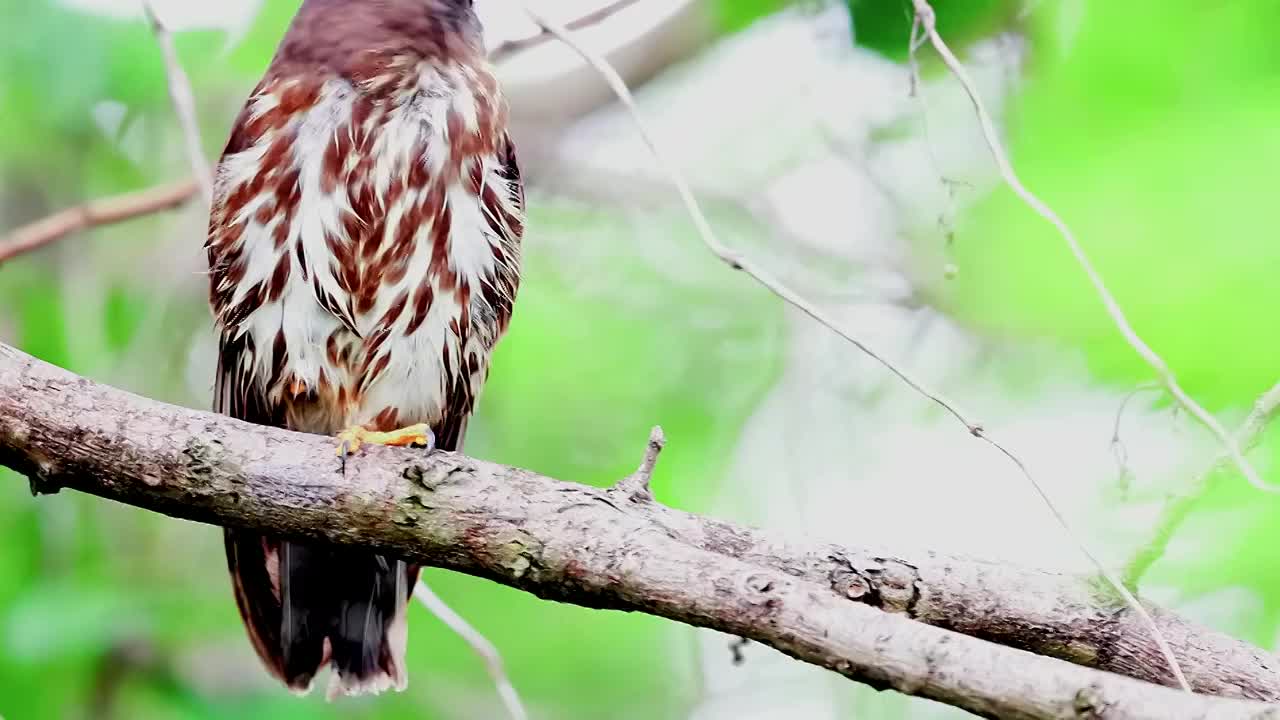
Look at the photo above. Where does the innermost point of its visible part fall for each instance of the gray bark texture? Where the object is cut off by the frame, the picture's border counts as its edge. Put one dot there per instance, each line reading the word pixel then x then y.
pixel 992 639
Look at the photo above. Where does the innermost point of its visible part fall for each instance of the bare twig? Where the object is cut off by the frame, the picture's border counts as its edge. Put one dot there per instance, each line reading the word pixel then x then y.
pixel 1129 598
pixel 564 542
pixel 739 262
pixel 99 212
pixel 184 103
pixel 1179 505
pixel 479 644
pixel 1118 449
pixel 926 16
pixel 925 21
pixel 736 648
pixel 182 98
pixel 636 485
pixel 511 47
pixel 946 218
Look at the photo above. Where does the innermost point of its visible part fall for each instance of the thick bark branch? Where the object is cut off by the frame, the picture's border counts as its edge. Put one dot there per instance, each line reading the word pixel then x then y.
pixel 617 549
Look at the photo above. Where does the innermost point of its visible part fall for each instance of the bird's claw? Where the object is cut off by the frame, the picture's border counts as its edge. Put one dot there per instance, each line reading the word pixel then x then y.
pixel 351 439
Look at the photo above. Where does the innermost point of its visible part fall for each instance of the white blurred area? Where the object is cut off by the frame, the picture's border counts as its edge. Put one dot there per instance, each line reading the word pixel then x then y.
pixel 823 148
pixel 504 20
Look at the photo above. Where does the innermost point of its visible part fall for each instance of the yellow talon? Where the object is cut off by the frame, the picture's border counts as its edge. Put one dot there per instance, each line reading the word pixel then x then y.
pixel 353 437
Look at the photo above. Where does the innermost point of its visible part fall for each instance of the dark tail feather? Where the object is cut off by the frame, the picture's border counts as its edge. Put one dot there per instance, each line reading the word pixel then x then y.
pixel 254 562
pixel 369 630
pixel 306 605
pixel 305 610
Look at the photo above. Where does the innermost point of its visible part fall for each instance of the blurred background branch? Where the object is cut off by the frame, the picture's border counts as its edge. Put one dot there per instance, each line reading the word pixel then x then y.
pixel 94 214
pixel 507 48
pixel 184 103
pixel 1181 503
pixel 479 643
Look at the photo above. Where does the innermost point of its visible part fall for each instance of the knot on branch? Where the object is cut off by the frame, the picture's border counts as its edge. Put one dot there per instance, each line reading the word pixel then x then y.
pixel 40 486
pixel 886 583
pixel 758 587
pixel 1091 702
pixel 40 469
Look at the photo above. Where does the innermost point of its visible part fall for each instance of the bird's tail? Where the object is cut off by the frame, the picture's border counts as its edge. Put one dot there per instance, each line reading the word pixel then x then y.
pixel 308 605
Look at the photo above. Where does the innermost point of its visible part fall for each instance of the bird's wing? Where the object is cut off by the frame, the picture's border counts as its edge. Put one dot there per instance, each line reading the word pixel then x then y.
pixel 503 209
pixel 240 391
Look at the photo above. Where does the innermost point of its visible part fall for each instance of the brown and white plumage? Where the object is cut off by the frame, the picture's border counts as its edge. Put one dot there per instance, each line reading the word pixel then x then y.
pixel 364 253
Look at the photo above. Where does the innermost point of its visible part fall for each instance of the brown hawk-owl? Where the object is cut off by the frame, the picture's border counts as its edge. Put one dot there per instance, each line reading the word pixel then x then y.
pixel 364 255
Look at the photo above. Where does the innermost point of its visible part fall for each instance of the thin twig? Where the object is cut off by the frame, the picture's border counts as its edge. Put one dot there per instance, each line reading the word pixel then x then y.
pixel 946 218
pixel 740 262
pixel 94 214
pixel 636 485
pixel 1129 598
pixel 184 104
pixel 182 98
pixel 1179 505
pixel 1118 449
pixel 928 18
pixel 736 648
pixel 511 47
pixel 479 643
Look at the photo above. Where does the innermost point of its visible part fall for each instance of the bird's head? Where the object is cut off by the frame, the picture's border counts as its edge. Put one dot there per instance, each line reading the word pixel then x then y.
pixel 342 34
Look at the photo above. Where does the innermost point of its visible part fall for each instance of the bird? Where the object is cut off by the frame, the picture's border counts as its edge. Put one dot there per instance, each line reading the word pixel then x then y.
pixel 364 248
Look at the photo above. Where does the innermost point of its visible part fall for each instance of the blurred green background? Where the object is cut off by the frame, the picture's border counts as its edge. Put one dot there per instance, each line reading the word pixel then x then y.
pixel 1153 126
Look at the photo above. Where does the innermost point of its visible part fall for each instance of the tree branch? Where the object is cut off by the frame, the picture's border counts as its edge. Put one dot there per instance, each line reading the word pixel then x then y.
pixel 603 549
pixel 505 50
pixel 99 212
pixel 184 102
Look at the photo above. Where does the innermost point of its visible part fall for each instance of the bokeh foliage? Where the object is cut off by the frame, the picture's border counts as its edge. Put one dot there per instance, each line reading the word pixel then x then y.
pixel 1159 159
pixel 1154 128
